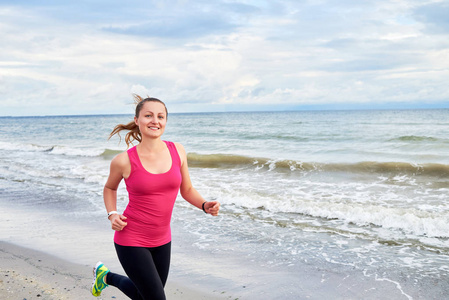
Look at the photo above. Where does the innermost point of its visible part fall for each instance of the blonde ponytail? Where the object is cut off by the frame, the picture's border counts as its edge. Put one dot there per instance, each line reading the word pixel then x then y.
pixel 133 134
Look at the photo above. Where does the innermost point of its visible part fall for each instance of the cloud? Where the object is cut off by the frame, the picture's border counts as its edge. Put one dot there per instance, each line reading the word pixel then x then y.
pixel 89 56
pixel 434 16
pixel 183 26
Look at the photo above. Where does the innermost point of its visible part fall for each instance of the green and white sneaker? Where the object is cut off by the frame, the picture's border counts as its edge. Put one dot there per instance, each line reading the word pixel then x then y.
pixel 99 284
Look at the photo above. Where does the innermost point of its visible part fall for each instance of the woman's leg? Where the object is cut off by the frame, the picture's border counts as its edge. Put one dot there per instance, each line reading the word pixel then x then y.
pixel 161 257
pixel 124 284
pixel 147 270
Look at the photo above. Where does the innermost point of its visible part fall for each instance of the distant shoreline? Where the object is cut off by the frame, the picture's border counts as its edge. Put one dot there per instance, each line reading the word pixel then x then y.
pixel 313 110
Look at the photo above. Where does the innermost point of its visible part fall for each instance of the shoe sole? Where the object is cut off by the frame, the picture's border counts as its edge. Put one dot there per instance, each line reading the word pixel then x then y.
pixel 95 276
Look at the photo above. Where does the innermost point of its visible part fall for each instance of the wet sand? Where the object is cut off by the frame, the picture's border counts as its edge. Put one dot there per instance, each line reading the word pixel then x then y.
pixel 29 274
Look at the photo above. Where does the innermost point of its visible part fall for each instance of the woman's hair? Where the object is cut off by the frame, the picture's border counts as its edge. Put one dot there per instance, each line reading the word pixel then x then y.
pixel 134 132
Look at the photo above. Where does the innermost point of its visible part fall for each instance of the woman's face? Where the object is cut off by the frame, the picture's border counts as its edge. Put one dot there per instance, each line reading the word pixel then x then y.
pixel 152 119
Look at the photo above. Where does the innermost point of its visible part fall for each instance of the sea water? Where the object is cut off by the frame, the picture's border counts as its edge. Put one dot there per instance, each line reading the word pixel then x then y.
pixel 356 199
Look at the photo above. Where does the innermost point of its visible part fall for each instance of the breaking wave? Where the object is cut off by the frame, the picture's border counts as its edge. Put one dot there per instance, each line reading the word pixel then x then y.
pixel 232 161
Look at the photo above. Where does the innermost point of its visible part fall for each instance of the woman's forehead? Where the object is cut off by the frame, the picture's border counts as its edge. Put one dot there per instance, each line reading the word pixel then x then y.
pixel 153 106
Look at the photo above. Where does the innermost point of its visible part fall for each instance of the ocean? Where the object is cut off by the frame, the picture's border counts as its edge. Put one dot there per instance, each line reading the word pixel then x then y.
pixel 315 204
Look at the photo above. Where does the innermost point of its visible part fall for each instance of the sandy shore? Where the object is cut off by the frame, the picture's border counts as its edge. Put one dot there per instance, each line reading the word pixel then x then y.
pixel 29 274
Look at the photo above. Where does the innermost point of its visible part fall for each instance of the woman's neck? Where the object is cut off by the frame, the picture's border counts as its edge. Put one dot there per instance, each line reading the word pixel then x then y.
pixel 151 145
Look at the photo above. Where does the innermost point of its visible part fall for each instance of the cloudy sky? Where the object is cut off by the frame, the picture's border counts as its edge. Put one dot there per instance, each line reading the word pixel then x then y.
pixel 89 56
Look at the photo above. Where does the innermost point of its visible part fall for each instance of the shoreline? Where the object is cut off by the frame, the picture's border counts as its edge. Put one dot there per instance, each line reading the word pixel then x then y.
pixel 30 274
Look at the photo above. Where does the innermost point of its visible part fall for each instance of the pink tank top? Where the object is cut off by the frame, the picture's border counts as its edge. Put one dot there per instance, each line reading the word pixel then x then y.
pixel 151 201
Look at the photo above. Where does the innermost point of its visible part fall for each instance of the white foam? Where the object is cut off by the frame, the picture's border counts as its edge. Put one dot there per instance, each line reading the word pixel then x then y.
pixel 13 146
pixel 71 151
pixel 397 284
pixel 94 172
pixel 377 209
pixel 53 149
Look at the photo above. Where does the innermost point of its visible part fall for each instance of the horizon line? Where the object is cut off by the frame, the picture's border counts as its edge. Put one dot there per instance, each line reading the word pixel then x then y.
pixel 233 111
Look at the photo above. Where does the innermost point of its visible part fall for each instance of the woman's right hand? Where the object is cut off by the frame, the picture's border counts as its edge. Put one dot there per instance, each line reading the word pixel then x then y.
pixel 117 222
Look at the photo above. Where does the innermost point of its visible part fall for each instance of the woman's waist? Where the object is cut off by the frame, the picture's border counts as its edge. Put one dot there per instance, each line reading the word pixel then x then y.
pixel 141 235
pixel 148 218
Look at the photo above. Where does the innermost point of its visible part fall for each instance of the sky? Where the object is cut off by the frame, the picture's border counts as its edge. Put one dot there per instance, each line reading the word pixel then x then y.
pixel 90 56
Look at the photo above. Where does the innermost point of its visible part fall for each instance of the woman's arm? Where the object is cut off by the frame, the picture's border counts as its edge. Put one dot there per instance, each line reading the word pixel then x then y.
pixel 188 192
pixel 116 173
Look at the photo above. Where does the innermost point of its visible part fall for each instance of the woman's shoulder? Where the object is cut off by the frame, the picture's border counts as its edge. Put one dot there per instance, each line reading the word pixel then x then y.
pixel 181 152
pixel 121 159
pixel 179 147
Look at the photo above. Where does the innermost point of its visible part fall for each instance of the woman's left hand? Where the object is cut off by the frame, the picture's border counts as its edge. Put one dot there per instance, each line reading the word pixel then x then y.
pixel 212 207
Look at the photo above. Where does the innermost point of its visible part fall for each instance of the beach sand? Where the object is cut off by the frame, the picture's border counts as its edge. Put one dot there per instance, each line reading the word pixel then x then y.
pixel 29 274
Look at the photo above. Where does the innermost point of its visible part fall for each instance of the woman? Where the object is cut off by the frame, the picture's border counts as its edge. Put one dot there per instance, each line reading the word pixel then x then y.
pixel 154 172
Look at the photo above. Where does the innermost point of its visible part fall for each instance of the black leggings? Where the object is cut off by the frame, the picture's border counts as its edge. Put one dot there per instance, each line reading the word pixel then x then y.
pixel 147 270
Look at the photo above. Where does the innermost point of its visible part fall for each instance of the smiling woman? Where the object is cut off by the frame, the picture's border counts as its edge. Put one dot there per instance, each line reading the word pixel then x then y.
pixel 154 172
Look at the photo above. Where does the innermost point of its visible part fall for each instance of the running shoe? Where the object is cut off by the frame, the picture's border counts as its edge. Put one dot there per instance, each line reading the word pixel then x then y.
pixel 99 284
